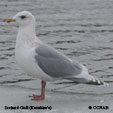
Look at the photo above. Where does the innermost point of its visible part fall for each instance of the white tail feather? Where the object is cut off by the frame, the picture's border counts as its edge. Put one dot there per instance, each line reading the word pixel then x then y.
pixel 86 78
pixel 95 81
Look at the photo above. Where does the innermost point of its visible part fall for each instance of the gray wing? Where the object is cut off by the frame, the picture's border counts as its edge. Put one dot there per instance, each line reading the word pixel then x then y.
pixel 55 64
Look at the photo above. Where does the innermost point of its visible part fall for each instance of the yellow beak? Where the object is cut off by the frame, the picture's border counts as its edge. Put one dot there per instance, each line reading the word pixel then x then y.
pixel 8 20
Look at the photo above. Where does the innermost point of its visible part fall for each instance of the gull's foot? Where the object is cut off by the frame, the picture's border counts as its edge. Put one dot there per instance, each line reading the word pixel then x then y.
pixel 37 97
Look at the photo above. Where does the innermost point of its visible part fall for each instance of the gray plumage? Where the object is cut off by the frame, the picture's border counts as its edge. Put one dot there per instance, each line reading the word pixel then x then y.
pixel 56 64
pixel 49 63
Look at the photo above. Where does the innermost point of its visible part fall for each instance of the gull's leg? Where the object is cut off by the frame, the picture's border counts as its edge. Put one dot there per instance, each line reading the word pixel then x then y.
pixel 42 96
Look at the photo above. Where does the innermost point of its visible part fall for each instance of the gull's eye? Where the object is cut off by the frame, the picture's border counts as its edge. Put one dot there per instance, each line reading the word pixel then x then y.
pixel 22 17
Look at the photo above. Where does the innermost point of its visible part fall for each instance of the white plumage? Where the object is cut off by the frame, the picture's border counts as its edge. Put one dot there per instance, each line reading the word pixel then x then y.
pixel 42 61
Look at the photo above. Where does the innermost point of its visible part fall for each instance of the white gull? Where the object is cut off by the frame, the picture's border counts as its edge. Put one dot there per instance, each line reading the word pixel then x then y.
pixel 42 61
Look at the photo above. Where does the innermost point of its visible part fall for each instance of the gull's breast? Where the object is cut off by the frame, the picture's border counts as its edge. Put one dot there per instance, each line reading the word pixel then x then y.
pixel 25 57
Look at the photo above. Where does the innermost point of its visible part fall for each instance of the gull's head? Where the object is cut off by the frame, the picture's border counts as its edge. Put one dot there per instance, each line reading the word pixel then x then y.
pixel 23 18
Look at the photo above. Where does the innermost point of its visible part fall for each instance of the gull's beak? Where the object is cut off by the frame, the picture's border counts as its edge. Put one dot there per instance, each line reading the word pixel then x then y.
pixel 8 20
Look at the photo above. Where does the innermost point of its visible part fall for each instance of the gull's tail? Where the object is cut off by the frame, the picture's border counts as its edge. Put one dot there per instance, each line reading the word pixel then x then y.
pixel 95 81
pixel 86 78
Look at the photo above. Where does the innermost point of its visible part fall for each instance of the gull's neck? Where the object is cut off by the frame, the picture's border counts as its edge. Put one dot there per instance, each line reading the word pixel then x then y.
pixel 26 33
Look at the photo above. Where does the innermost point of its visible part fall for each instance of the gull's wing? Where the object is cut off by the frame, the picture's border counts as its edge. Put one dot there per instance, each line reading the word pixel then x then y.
pixel 55 64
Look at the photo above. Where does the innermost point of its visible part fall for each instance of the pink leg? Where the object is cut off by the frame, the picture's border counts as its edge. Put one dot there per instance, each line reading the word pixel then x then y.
pixel 42 96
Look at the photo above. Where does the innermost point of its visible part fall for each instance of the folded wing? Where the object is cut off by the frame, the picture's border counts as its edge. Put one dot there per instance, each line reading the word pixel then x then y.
pixel 55 64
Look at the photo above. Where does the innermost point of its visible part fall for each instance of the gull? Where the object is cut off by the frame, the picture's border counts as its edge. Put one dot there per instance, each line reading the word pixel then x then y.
pixel 42 61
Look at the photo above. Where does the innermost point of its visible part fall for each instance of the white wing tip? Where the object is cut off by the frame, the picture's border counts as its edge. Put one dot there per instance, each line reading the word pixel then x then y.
pixel 96 81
